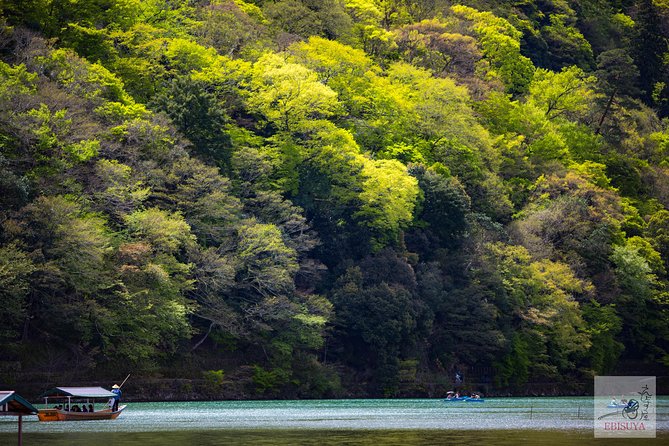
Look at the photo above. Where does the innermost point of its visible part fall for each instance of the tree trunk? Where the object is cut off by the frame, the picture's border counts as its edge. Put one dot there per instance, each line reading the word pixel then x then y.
pixel 606 112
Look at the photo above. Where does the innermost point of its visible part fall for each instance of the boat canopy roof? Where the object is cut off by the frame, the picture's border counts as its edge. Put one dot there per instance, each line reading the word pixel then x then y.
pixel 11 403
pixel 81 392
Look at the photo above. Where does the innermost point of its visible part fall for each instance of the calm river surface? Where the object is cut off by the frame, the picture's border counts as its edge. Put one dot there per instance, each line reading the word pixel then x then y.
pixel 497 421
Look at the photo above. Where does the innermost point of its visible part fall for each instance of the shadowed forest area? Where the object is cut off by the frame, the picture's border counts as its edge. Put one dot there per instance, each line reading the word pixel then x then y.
pixel 329 198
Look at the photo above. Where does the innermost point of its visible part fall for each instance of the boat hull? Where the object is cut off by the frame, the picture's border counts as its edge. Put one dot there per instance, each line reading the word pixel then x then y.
pixel 63 415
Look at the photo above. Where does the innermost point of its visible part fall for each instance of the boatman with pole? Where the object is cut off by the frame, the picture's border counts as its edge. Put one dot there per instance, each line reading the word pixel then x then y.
pixel 116 390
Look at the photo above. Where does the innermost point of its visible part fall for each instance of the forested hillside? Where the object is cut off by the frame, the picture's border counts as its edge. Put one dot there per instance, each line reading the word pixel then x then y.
pixel 318 198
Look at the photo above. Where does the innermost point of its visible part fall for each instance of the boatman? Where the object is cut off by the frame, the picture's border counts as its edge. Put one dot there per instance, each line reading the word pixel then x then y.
pixel 116 390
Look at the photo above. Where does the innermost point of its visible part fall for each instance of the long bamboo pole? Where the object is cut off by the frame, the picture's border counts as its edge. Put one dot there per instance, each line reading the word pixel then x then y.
pixel 126 378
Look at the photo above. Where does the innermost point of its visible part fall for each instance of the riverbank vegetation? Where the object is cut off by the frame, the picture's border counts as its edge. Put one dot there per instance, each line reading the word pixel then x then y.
pixel 325 198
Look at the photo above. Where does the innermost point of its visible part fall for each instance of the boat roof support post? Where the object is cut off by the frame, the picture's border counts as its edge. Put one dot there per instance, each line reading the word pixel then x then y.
pixel 20 430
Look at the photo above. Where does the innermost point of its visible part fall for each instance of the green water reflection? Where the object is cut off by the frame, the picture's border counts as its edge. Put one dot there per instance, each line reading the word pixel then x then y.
pixel 326 438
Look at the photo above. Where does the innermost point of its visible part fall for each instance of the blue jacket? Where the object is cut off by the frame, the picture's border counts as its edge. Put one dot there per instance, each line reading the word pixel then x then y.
pixel 117 393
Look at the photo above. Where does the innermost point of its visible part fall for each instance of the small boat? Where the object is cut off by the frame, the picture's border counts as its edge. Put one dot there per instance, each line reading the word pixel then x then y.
pixel 455 399
pixel 73 396
pixel 466 399
pixel 616 406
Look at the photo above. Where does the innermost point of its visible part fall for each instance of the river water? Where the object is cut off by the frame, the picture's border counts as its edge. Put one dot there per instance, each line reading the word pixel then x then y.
pixel 497 421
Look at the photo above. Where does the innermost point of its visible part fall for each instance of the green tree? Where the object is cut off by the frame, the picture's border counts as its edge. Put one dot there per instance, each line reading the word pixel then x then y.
pixel 288 93
pixel 444 206
pixel 617 73
pixel 500 43
pixel 542 298
pixel 15 270
pixel 567 94
pixel 375 321
pixel 388 198
pixel 196 112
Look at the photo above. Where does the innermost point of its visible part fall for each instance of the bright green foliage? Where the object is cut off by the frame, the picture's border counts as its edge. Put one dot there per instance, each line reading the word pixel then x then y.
pixel 165 231
pixel 568 93
pixel 403 152
pixel 288 93
pixel 15 80
pixel 340 67
pixel 368 27
pixel 438 101
pixel 388 197
pixel 81 78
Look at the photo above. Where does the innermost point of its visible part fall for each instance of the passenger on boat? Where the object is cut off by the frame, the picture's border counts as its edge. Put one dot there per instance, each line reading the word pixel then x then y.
pixel 83 408
pixel 90 408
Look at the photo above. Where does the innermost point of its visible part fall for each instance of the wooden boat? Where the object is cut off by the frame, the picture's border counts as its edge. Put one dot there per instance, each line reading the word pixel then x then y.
pixel 69 397
pixel 64 415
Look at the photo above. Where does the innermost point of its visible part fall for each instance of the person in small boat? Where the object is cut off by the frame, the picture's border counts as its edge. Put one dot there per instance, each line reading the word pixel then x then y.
pixel 116 390
pixel 613 402
pixel 83 408
pixel 90 408
pixel 67 407
pixel 476 396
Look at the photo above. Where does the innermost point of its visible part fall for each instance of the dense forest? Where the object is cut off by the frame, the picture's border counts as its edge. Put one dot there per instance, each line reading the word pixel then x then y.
pixel 321 198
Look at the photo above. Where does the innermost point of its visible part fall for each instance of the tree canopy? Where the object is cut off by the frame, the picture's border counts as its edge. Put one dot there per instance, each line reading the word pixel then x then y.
pixel 327 198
